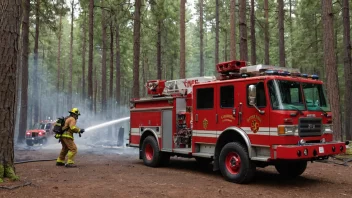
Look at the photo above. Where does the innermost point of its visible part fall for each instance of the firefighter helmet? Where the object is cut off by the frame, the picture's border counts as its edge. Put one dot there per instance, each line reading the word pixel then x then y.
pixel 75 111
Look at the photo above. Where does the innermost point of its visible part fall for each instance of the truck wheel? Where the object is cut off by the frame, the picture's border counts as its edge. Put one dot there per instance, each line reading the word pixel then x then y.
pixel 291 169
pixel 29 142
pixel 234 163
pixel 150 152
pixel 43 141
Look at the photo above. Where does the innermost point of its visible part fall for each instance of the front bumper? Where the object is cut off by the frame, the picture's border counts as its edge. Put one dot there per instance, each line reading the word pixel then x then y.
pixel 309 151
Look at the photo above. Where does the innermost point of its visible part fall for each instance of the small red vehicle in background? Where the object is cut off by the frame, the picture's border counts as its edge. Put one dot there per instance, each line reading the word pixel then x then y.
pixel 40 133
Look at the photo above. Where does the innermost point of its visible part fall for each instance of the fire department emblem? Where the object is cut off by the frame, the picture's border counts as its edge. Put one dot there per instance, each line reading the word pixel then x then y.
pixel 254 121
pixel 205 123
pixel 254 126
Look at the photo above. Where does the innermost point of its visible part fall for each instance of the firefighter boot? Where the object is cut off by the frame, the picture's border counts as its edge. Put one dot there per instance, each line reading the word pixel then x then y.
pixel 70 165
pixel 60 162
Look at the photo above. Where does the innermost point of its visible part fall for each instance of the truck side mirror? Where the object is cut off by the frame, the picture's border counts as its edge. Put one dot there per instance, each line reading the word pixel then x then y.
pixel 252 94
pixel 252 97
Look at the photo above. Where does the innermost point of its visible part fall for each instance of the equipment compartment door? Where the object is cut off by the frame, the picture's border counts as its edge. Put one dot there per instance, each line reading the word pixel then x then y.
pixel 167 130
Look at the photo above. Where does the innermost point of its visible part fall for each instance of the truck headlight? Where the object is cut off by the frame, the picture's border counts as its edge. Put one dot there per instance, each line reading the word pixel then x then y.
pixel 286 129
pixel 327 128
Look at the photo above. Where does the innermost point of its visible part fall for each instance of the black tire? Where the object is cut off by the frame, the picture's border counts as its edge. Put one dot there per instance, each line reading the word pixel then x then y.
pixel 29 142
pixel 291 169
pixel 235 165
pixel 150 152
pixel 43 141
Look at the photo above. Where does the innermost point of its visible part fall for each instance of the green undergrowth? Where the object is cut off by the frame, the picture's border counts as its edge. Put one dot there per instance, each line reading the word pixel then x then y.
pixel 8 172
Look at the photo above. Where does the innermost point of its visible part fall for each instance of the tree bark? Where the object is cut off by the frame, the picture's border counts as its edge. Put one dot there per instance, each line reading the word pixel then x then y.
pixel 347 68
pixel 35 70
pixel 10 21
pixel 111 84
pixel 266 33
pixel 103 68
pixel 118 70
pixel 281 33
pixel 201 37
pixel 90 55
pixel 71 58
pixel 233 30
pixel 159 66
pixel 59 64
pixel 217 30
pixel 253 40
pixel 243 31
pixel 182 39
pixel 24 85
pixel 136 47
pixel 84 50
pixel 330 66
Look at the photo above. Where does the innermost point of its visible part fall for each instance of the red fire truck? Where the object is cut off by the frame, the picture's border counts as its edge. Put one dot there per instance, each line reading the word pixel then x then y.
pixel 247 117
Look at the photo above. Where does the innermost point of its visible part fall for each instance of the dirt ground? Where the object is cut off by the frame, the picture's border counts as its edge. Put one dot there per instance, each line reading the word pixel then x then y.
pixel 119 173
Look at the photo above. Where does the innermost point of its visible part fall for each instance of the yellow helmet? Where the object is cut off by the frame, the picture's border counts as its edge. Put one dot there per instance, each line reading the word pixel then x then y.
pixel 75 111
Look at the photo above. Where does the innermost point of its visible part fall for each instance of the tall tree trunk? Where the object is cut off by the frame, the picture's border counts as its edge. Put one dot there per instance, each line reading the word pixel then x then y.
pixel 253 40
pixel 233 29
pixel 217 30
pixel 201 33
pixel 10 13
pixel 58 96
pixel 24 85
pixel 136 47
pixel 225 46
pixel 103 68
pixel 266 33
pixel 243 31
pixel 182 39
pixel 118 70
pixel 347 68
pixel 281 32
pixel 159 66
pixel 111 84
pixel 71 57
pixel 90 54
pixel 291 37
pixel 35 70
pixel 84 49
pixel 330 66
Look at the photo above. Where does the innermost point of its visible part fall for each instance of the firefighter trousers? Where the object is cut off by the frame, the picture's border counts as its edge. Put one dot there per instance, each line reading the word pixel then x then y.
pixel 69 148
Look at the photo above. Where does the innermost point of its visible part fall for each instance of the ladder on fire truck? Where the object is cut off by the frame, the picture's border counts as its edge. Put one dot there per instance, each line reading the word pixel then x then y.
pixel 177 86
pixel 184 86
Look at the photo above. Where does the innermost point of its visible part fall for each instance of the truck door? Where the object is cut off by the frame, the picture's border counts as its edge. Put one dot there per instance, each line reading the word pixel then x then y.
pixel 204 114
pixel 256 124
pixel 226 110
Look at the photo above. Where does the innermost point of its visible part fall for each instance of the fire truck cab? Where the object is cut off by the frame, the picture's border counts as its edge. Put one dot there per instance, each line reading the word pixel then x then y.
pixel 247 117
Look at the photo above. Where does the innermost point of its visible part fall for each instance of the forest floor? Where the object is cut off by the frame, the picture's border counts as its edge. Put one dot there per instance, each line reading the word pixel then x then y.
pixel 119 173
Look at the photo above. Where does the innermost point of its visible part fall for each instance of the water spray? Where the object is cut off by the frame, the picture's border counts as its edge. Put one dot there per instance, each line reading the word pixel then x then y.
pixel 107 123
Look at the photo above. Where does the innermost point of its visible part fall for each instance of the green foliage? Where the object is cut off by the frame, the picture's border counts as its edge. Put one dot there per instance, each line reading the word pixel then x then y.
pixel 303 39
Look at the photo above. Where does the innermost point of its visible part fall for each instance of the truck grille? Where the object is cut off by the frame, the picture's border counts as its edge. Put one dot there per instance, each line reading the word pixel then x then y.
pixel 34 134
pixel 308 127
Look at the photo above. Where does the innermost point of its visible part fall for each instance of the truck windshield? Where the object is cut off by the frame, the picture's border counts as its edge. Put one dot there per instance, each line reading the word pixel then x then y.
pixel 38 126
pixel 315 97
pixel 287 95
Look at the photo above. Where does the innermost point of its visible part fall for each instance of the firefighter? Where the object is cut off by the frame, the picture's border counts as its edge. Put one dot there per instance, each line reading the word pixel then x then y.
pixel 69 148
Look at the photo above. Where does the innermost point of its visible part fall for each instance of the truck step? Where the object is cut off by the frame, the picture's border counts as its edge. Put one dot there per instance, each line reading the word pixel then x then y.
pixel 183 150
pixel 260 158
pixel 206 155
